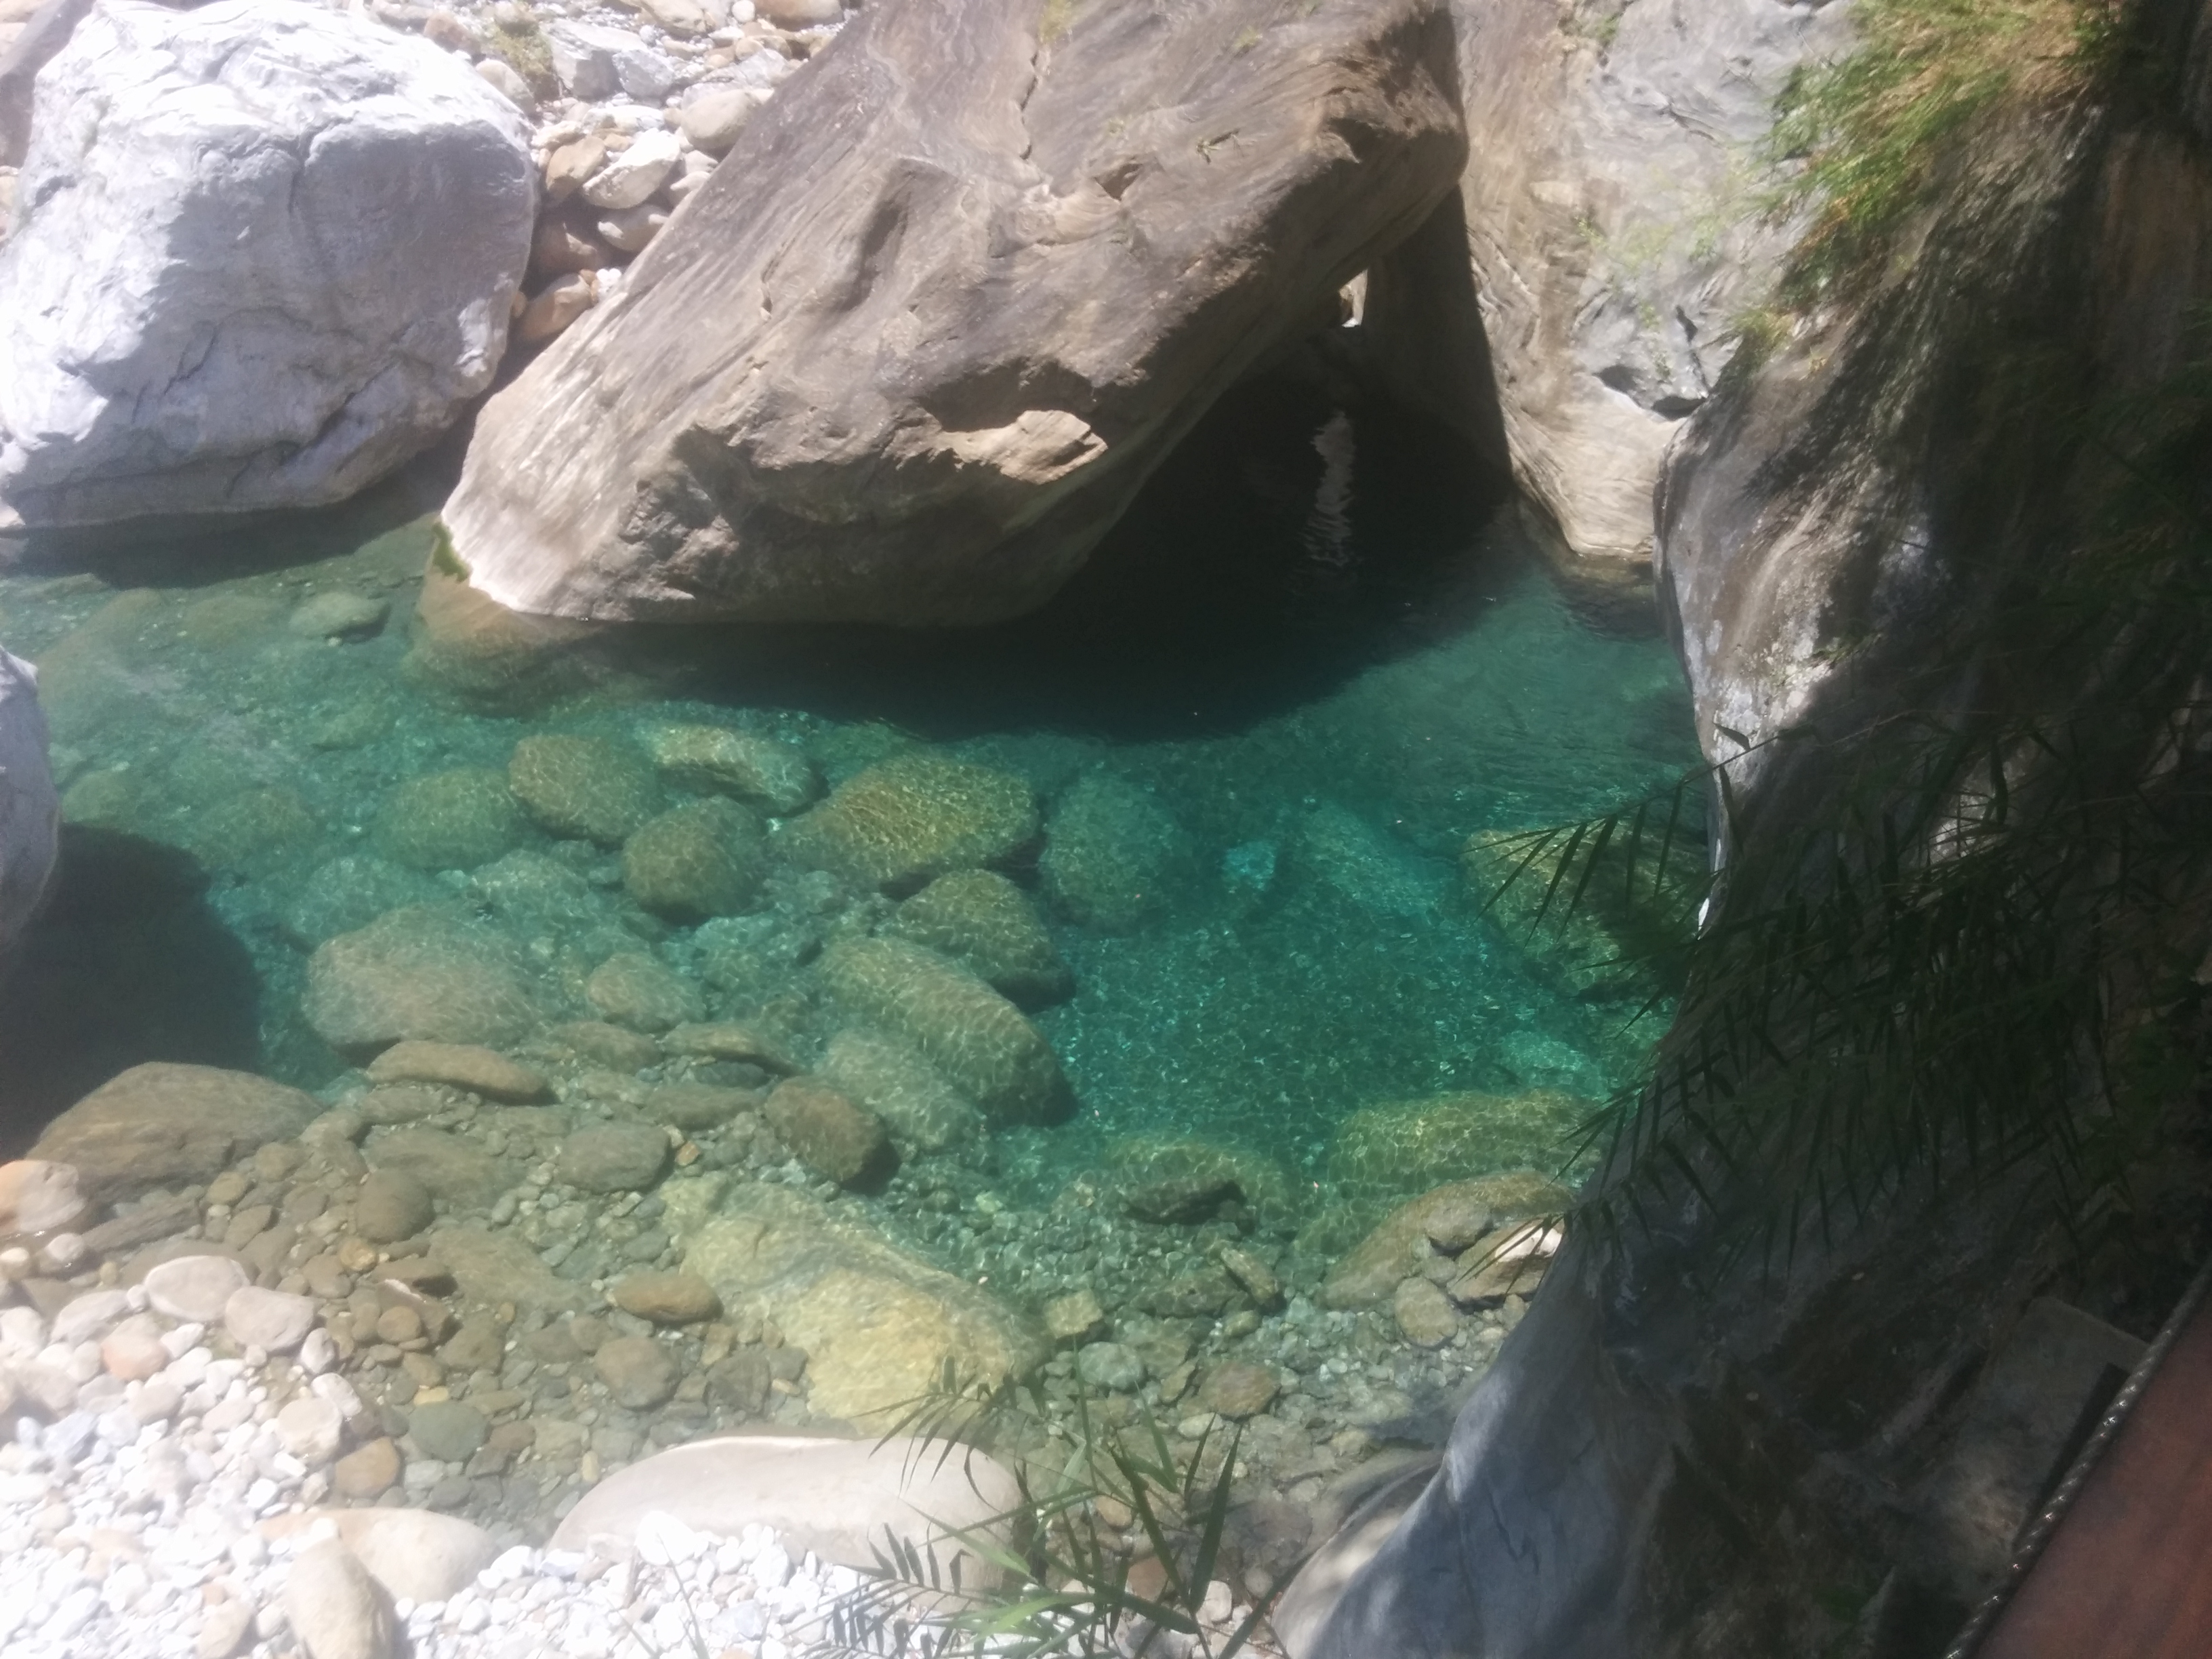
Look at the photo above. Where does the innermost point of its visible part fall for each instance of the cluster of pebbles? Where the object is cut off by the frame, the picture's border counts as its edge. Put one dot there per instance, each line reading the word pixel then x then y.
pixel 630 110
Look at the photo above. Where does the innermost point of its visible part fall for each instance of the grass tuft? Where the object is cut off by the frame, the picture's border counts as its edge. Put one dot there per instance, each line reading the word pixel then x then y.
pixel 1867 131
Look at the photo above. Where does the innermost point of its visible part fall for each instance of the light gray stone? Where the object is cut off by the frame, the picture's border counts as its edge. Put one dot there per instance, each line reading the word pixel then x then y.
pixel 194 1288
pixel 275 1321
pixel 836 1497
pixel 631 176
pixel 245 259
pixel 311 1429
pixel 334 1608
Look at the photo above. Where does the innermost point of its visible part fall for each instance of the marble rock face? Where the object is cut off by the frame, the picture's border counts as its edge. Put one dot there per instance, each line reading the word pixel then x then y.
pixel 263 253
pixel 914 346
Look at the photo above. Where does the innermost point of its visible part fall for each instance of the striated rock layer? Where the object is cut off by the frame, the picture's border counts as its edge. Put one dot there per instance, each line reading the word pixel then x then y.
pixel 951 297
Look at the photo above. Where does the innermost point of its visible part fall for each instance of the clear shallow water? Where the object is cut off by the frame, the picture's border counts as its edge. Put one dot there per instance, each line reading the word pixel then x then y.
pixel 1326 701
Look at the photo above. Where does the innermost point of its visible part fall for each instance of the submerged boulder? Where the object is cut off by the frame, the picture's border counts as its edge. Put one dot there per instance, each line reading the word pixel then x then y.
pixel 265 254
pixel 951 297
pixel 161 1125
pixel 878 1327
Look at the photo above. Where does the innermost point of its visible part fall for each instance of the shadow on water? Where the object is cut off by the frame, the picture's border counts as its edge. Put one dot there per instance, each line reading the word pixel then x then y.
pixel 125 964
pixel 1248 577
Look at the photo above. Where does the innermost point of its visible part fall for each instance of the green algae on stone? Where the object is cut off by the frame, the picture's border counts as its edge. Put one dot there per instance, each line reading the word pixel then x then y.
pixel 702 860
pixel 424 972
pixel 982 920
pixel 895 1081
pixel 453 820
pixel 590 788
pixel 915 816
pixel 1113 858
pixel 775 776
pixel 980 1041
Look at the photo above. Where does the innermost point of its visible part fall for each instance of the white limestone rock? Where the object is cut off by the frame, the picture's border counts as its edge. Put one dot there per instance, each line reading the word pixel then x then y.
pixel 264 252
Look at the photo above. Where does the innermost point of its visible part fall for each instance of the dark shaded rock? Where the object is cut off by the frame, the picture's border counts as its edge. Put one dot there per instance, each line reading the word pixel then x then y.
pixel 987 282
pixel 1114 859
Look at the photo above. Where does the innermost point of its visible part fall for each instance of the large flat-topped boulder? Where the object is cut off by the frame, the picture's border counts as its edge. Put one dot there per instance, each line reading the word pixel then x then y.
pixel 265 251
pixel 952 295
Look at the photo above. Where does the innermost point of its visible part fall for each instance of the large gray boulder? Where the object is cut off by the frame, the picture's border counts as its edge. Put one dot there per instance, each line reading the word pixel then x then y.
pixel 914 346
pixel 1609 230
pixel 30 814
pixel 263 253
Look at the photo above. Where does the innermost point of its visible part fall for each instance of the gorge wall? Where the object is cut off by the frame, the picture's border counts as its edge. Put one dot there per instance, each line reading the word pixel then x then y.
pixel 1680 1456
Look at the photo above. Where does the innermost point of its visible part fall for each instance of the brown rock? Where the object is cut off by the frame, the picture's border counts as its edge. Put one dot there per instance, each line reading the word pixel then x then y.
pixel 1238 1390
pixel 692 1106
pixel 1149 217
pixel 667 1298
pixel 367 1473
pixel 160 1125
pixel 465 1065
pixel 390 1205
pixel 1424 1314
pixel 611 1046
pixel 1442 1221
pixel 726 1040
pixel 829 1133
pixel 453 1168
pixel 638 1372
pixel 569 166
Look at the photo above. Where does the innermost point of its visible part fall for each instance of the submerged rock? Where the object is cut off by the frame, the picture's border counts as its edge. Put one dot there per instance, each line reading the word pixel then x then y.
pixel 979 919
pixel 349 893
pixel 1114 859
pixel 453 820
pixel 775 776
pixel 895 1081
pixel 916 816
pixel 1390 1150
pixel 635 990
pixel 967 1030
pixel 586 787
pixel 160 1125
pixel 704 859
pixel 829 1133
pixel 878 1326
pixel 423 972
pixel 951 297
pixel 221 293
